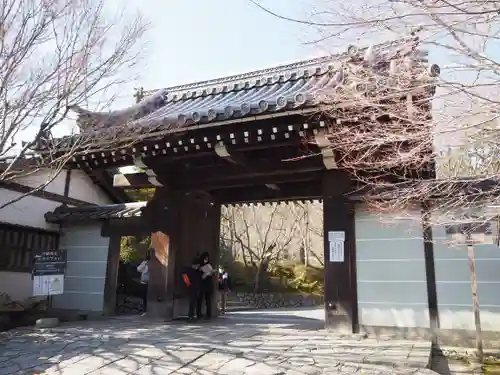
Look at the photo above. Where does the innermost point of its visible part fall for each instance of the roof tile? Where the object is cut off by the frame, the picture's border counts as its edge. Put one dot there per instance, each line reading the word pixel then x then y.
pixel 89 213
pixel 293 86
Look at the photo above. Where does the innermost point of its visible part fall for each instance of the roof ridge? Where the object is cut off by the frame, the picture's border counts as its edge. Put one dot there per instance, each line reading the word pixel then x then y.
pixel 270 70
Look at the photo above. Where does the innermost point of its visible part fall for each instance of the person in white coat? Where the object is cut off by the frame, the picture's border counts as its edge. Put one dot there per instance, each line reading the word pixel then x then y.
pixel 143 268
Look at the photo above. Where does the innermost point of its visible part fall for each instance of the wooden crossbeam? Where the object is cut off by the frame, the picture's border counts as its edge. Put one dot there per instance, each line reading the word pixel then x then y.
pixel 271 179
pixel 222 151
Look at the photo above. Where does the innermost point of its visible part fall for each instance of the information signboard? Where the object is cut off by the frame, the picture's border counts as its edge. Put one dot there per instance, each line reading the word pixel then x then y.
pixel 336 241
pixel 50 263
pixel 48 273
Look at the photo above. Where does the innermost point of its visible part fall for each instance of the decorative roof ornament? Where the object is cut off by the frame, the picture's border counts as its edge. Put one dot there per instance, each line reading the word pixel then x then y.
pixel 352 50
pixel 245 108
pixel 434 70
pixel 211 114
pixel 228 111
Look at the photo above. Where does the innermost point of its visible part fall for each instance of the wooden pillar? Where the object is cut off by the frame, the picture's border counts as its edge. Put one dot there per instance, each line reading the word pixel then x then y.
pixel 111 281
pixel 161 214
pixel 184 226
pixel 341 308
pixel 199 227
pixel 430 271
pixel 158 303
pixel 214 237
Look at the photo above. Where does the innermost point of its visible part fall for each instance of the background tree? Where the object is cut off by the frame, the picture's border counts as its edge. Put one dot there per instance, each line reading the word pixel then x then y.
pixel 134 248
pixel 309 231
pixel 262 234
pixel 460 114
pixel 56 56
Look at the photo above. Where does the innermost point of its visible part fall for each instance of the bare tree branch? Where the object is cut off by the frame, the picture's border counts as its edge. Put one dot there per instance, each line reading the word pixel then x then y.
pixel 54 57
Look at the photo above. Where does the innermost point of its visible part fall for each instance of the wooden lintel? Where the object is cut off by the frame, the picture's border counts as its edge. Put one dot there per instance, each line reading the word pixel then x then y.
pixel 293 192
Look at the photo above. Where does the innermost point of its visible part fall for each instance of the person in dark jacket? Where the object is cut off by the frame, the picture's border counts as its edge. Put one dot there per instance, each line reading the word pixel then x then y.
pixel 224 284
pixel 206 286
pixel 192 280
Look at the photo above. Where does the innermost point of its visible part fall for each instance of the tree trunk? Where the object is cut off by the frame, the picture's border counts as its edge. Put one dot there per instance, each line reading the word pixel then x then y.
pixel 475 300
pixel 258 274
pixel 306 255
pixel 302 255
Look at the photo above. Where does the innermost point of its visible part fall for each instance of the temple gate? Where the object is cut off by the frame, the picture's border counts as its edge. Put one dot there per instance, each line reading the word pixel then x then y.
pixel 252 138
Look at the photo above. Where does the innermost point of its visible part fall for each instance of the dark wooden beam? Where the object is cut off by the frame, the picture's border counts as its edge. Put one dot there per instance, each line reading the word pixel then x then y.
pixel 102 178
pixel 133 226
pixel 262 167
pixel 208 181
pixel 251 181
pixel 111 281
pixel 259 194
pixel 54 197
pixel 430 271
pixel 67 183
pixel 254 177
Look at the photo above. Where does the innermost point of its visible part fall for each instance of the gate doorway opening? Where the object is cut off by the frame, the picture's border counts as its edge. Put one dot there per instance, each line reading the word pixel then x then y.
pixel 273 255
pixel 130 290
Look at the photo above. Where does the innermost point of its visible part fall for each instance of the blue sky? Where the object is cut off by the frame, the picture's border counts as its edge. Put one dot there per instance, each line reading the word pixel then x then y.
pixel 194 40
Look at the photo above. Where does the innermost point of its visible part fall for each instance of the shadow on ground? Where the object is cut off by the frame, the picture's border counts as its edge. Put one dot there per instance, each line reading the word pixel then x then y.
pixel 242 343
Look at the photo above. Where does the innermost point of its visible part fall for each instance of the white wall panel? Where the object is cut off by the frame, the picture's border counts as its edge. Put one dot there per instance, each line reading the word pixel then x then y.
pixel 29 211
pixel 453 281
pixel 391 281
pixel 87 254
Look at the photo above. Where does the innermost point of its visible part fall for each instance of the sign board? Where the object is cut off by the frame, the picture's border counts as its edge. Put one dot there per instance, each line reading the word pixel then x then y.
pixel 336 235
pixel 48 273
pixel 48 285
pixel 336 241
pixel 50 263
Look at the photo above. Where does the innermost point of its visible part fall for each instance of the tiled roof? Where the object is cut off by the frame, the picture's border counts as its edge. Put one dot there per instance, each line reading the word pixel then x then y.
pixel 89 213
pixel 280 89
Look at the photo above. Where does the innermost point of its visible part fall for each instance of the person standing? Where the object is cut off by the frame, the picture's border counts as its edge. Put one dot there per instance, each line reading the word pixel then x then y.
pixel 143 268
pixel 224 287
pixel 192 279
pixel 206 286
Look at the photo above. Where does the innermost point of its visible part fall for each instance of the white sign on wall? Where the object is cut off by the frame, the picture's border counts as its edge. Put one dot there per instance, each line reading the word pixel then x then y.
pixel 336 240
pixel 48 285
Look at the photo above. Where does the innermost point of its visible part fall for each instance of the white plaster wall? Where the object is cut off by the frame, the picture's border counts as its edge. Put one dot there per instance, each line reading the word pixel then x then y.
pixel 391 280
pixel 29 211
pixel 81 186
pixel 87 255
pixel 17 285
pixel 56 184
pixel 454 283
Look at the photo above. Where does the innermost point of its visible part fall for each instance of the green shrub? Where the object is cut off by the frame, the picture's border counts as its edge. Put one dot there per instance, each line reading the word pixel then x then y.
pixel 280 278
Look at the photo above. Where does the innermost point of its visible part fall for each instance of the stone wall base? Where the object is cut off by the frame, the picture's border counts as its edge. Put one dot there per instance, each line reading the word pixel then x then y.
pixel 273 300
pixel 446 337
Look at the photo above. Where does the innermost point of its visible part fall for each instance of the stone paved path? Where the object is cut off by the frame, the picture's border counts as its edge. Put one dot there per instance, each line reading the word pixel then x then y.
pixel 238 344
